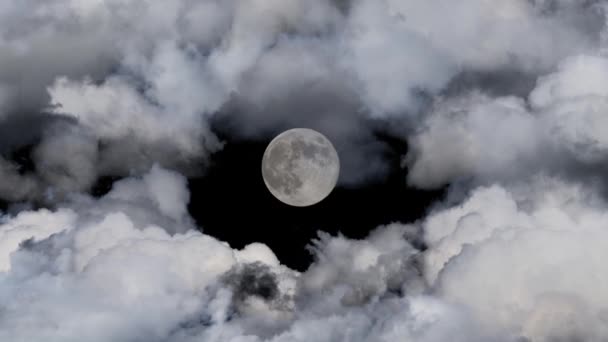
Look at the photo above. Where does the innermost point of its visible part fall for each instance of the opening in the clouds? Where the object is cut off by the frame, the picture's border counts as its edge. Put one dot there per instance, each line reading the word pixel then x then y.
pixel 231 203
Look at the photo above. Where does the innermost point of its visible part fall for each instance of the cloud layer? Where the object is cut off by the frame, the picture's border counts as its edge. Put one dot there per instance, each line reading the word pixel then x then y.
pixel 141 80
pixel 506 264
pixel 503 101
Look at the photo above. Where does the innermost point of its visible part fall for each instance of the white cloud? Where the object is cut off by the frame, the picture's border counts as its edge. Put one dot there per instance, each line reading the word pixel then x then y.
pixel 123 92
pixel 146 85
pixel 527 259
pixel 489 139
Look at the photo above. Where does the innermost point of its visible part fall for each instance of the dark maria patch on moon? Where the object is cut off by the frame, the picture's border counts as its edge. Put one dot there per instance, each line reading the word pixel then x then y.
pixel 278 171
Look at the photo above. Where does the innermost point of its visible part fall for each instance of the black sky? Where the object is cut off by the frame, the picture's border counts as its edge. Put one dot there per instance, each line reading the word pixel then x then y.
pixel 232 203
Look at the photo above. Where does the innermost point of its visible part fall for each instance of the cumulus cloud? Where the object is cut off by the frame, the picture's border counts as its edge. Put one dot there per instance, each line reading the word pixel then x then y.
pixel 475 136
pixel 99 270
pixel 528 250
pixel 96 268
pixel 146 86
pixel 134 88
pixel 506 264
pixel 558 129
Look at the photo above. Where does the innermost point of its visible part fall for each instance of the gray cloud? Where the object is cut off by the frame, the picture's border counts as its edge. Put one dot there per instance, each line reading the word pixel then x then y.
pixel 503 100
pixel 179 284
pixel 507 264
pixel 558 129
pixel 525 249
pixel 150 82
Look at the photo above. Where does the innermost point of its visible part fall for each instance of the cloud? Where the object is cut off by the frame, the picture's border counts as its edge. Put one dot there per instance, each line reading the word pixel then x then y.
pixel 557 130
pixel 528 250
pixel 475 137
pixel 90 89
pixel 98 268
pixel 147 86
pixel 574 99
pixel 509 262
pixel 94 269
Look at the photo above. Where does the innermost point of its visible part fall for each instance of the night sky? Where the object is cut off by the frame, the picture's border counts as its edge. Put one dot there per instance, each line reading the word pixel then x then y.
pixel 231 202
pixel 471 204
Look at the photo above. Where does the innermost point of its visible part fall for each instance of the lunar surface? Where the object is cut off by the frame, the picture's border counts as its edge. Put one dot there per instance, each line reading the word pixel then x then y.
pixel 300 167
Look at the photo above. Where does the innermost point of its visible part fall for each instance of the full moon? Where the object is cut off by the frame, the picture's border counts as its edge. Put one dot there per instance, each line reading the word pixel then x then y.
pixel 300 167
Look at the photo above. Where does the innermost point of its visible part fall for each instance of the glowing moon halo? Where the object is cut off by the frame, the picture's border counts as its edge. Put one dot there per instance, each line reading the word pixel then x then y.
pixel 300 167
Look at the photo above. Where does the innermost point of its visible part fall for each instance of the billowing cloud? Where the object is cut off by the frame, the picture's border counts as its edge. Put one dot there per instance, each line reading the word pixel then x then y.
pixel 506 264
pixel 523 259
pixel 99 268
pixel 558 129
pixel 145 86
pixel 504 101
